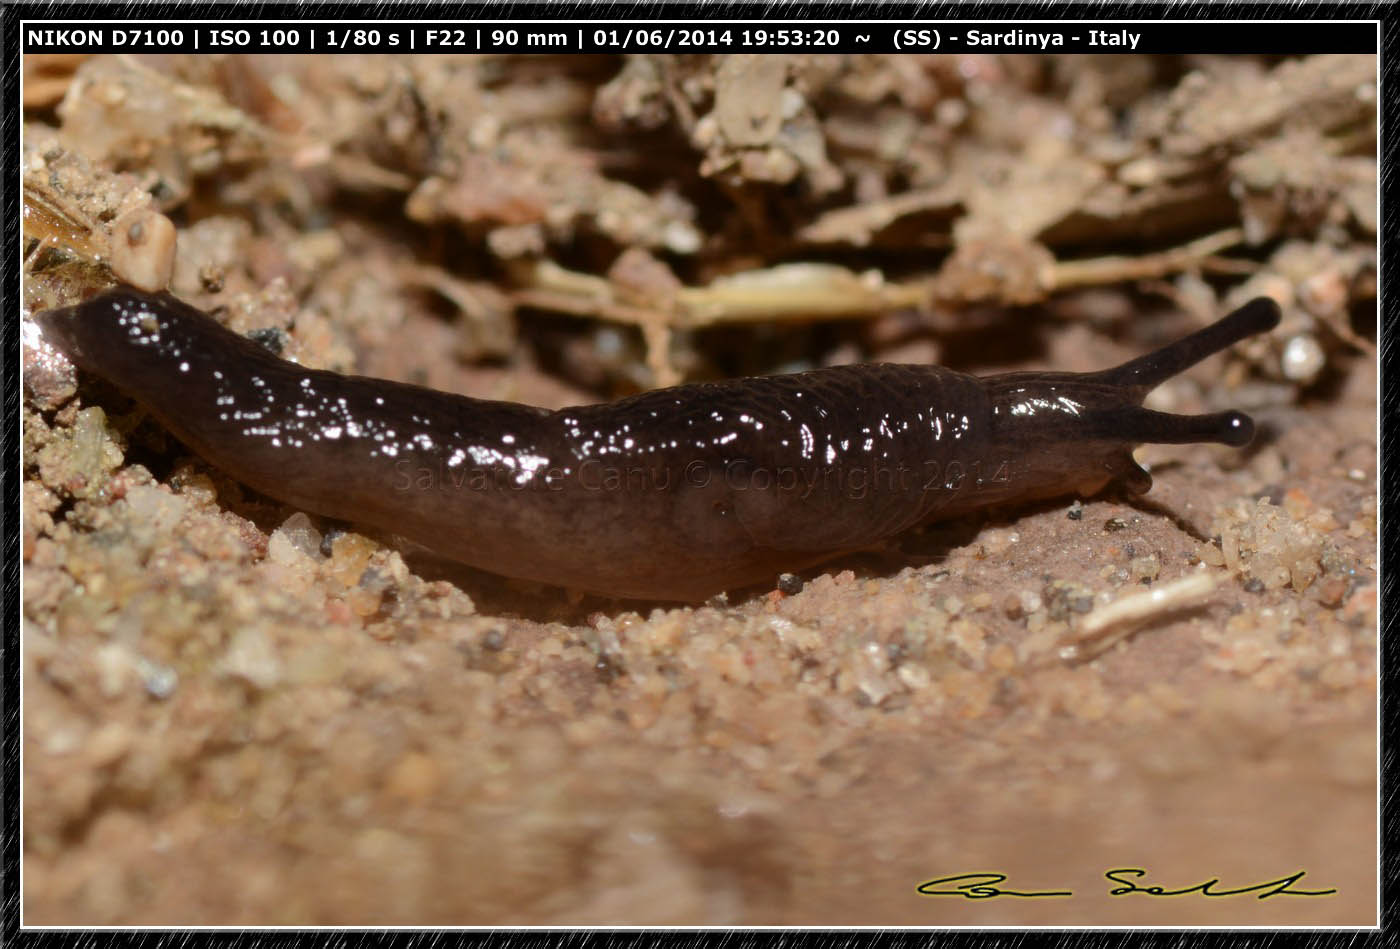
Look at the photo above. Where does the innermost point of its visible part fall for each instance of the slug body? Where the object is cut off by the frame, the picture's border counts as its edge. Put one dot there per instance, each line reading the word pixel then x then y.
pixel 674 494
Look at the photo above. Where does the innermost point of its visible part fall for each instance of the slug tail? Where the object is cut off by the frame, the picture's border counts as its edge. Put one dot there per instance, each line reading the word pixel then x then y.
pixel 1147 372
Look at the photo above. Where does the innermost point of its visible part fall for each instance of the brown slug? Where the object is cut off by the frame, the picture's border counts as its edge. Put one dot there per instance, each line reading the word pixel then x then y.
pixel 674 494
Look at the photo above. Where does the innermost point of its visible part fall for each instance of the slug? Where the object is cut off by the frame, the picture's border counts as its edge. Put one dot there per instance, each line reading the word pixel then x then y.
pixel 674 494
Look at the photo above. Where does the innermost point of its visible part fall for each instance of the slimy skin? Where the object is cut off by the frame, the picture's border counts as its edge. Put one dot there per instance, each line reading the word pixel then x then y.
pixel 674 494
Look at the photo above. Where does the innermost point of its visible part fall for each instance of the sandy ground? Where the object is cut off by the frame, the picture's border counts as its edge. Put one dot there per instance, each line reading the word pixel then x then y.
pixel 236 714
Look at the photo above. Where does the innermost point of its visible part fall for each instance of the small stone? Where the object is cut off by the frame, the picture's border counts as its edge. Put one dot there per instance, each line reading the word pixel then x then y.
pixel 363 603
pixel 159 681
pixel 790 583
pixel 914 676
pixel 143 249
pixel 1145 568
pixel 113 663
pixel 351 553
pixel 270 338
pixel 1063 597
pixel 1331 591
pixel 302 534
pixel 211 278
pixel 1302 359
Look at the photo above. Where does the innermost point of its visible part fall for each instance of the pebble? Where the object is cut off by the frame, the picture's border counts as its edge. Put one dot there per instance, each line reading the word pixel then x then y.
pixel 143 249
pixel 159 681
pixel 1011 606
pixel 1302 359
pixel 113 662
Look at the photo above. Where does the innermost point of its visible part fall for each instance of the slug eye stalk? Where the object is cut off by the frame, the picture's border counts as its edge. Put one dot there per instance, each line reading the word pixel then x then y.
pixel 1147 372
pixel 1143 374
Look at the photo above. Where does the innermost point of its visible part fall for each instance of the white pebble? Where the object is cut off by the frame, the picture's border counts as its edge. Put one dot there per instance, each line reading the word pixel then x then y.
pixel 1302 358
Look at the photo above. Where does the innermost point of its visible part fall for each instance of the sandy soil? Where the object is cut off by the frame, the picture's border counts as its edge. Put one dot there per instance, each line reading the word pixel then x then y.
pixel 236 714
